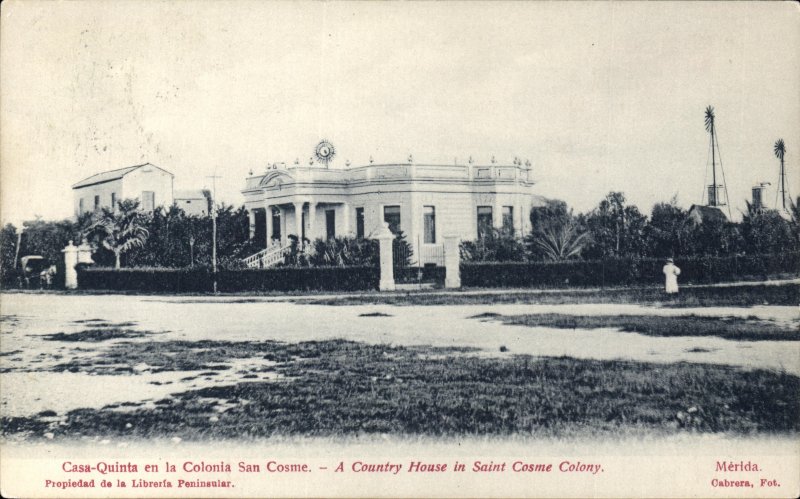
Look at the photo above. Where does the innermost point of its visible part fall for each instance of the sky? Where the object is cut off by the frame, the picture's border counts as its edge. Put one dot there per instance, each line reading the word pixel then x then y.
pixel 598 96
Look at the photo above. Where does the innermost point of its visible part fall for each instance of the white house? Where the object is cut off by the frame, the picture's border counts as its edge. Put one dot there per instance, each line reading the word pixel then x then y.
pixel 424 201
pixel 151 185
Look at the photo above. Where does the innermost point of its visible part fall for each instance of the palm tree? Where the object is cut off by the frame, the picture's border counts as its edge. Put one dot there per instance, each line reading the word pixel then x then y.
pixel 120 231
pixel 780 150
pixel 561 243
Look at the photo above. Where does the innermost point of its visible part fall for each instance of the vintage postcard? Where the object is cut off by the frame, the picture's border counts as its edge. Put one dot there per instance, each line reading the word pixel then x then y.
pixel 399 249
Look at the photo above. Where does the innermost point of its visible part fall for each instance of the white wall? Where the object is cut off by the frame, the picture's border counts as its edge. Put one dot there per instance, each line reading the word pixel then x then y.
pixel 88 193
pixel 149 178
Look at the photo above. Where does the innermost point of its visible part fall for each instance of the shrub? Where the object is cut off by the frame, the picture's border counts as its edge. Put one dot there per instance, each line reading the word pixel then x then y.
pixel 200 279
pixel 626 271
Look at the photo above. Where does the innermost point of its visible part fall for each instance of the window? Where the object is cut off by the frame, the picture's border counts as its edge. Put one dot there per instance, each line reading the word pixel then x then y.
pixel 80 205
pixel 484 221
pixel 148 200
pixel 360 223
pixel 330 224
pixel 96 202
pixel 113 201
pixel 429 224
pixel 391 215
pixel 508 219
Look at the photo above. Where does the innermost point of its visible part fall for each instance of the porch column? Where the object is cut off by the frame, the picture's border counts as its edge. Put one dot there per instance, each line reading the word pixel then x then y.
pixel 497 213
pixel 312 218
pixel 252 216
pixel 298 222
pixel 346 219
pixel 282 222
pixel 268 210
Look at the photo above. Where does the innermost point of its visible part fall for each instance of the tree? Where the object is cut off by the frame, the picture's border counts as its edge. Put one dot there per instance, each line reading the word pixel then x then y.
pixel 561 243
pixel 766 231
pixel 8 253
pixel 667 232
pixel 122 230
pixel 616 229
pixel 556 234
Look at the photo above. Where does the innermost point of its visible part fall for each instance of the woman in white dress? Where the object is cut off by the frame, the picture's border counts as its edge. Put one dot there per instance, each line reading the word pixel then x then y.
pixel 671 272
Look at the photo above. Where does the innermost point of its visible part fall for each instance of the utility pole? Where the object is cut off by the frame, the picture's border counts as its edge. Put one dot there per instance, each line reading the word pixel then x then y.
pixel 214 227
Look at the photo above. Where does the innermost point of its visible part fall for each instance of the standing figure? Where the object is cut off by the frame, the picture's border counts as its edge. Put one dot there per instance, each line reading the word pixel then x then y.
pixel 671 272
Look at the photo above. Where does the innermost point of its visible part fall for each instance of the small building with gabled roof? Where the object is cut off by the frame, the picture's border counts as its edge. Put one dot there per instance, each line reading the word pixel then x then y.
pixel 193 201
pixel 148 183
pixel 699 214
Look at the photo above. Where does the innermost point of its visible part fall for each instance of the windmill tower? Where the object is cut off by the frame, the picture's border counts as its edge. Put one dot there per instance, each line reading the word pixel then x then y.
pixel 715 189
pixel 780 151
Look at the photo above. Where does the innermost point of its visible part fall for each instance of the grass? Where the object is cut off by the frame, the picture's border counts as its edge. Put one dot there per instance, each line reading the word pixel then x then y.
pixel 738 296
pixel 730 328
pixel 342 388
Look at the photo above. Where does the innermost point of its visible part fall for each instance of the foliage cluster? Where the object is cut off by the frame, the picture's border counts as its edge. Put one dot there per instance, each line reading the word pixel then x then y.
pixel 615 229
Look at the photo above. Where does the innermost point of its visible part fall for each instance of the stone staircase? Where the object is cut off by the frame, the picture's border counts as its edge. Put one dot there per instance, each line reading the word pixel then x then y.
pixel 268 257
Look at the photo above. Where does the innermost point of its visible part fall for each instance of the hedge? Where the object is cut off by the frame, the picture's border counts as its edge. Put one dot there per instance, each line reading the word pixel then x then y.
pixel 167 280
pixel 625 271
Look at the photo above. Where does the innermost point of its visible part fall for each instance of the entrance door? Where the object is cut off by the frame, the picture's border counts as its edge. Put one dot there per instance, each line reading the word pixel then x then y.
pixel 330 223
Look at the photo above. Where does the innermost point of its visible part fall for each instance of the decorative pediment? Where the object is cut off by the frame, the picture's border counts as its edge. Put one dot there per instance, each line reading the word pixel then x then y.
pixel 276 179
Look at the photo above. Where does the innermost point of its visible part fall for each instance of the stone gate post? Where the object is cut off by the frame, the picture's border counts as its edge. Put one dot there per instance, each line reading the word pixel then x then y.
pixel 70 260
pixel 452 262
pixel 385 238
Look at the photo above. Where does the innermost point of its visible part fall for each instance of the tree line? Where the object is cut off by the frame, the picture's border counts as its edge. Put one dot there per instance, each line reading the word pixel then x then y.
pixel 126 236
pixel 616 229
pixel 168 237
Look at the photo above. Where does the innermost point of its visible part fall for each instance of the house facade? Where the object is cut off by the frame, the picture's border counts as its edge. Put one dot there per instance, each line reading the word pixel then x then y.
pixel 151 185
pixel 424 201
pixel 192 202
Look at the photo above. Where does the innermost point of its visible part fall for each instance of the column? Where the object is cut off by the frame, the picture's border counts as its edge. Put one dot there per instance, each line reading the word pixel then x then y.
pixel 312 217
pixel 268 211
pixel 497 212
pixel 282 222
pixel 346 219
pixel 385 238
pixel 452 262
pixel 298 222
pixel 252 216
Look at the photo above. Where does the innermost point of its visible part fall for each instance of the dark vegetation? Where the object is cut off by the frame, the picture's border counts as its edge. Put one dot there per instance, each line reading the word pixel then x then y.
pixel 102 332
pixel 730 328
pixel 625 271
pixel 342 388
pixel 700 296
pixel 200 280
